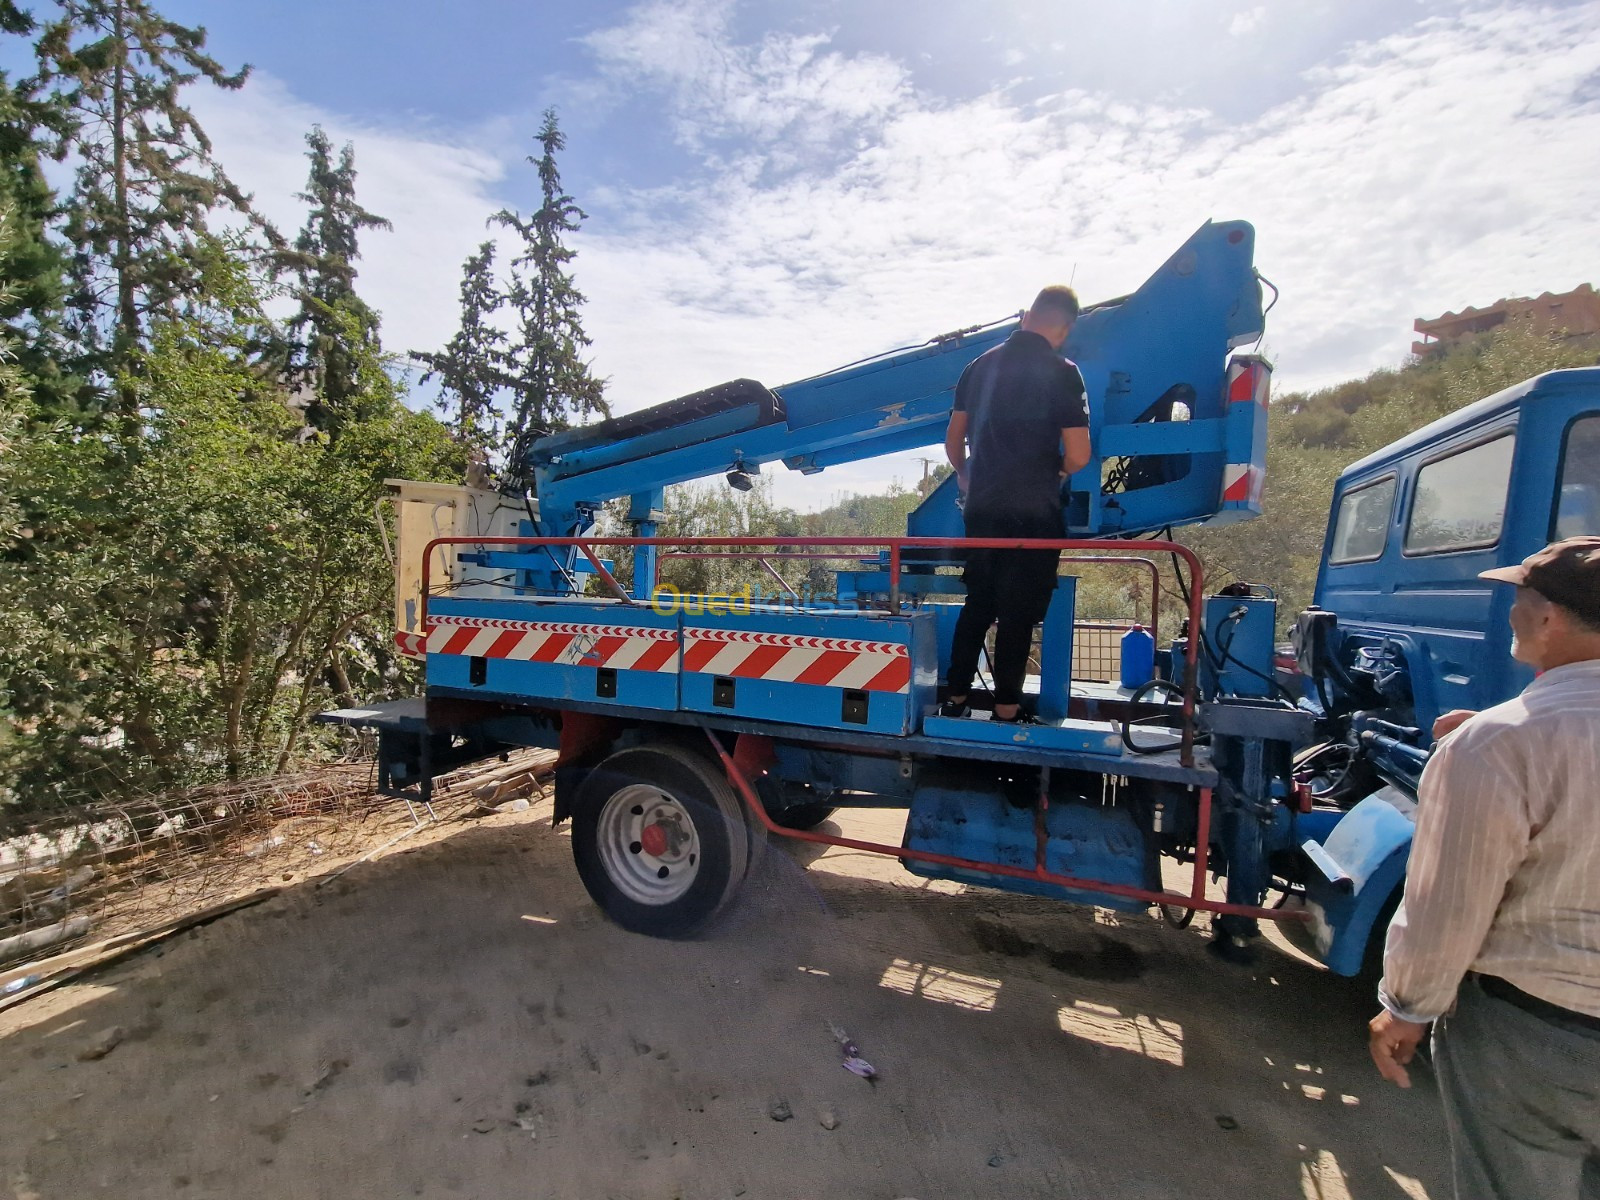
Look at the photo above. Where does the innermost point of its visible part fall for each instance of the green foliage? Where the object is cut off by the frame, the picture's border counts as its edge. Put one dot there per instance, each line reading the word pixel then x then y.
pixel 35 267
pixel 471 367
pixel 145 181
pixel 550 382
pixel 187 582
pixel 334 328
pixel 183 605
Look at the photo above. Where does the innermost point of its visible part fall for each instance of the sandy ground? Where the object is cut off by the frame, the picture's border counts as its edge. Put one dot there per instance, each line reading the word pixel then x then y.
pixel 457 1020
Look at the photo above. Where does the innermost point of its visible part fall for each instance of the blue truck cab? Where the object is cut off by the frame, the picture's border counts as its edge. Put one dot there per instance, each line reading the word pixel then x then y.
pixel 1403 630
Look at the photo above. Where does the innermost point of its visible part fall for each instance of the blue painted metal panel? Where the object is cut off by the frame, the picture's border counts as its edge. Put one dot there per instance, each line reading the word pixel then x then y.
pixel 1452 626
pixel 588 633
pixel 842 669
pixel 1103 844
pixel 1055 651
pixel 1372 845
pixel 1249 640
pixel 1085 737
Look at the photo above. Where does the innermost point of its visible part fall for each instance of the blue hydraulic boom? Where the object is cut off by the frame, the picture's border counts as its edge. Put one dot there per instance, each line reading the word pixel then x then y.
pixel 1176 438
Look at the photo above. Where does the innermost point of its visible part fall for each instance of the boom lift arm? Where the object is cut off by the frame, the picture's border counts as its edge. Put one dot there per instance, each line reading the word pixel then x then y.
pixel 1178 436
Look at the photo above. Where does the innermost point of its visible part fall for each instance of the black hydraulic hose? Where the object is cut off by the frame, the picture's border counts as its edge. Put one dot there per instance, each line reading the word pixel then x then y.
pixel 1232 618
pixel 1137 698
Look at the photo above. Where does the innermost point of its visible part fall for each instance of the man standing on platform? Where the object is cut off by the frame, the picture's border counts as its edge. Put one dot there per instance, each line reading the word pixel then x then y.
pixel 1019 427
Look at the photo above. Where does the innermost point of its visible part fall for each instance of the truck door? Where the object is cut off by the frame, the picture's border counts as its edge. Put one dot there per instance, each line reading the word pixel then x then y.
pixel 1576 507
pixel 1453 525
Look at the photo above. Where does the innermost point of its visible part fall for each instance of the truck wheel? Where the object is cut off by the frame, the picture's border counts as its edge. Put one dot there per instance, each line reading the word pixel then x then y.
pixel 660 840
pixel 803 816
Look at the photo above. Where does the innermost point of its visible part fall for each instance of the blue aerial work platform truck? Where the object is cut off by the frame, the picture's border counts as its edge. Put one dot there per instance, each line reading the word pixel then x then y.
pixel 691 728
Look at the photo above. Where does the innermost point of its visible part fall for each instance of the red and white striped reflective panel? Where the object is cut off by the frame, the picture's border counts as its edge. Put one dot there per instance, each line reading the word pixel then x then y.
pixel 562 643
pixel 412 645
pixel 1241 482
pixel 792 658
pixel 1248 382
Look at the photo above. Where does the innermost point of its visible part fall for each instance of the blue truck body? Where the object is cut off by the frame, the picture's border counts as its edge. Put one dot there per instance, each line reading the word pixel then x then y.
pixel 692 727
pixel 1409 632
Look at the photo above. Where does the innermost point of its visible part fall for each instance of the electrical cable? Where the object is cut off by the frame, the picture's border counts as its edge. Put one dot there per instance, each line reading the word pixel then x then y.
pixel 1275 294
pixel 1137 698
pixel 1177 569
pixel 444 588
pixel 989 683
pixel 1308 762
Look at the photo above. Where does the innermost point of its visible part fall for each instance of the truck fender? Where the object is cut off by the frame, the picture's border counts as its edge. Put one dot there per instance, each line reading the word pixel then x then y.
pixel 1360 871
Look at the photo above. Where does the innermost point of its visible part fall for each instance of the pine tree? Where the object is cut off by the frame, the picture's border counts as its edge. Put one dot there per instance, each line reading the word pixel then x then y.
pixel 471 366
pixel 33 274
pixel 334 330
pixel 550 381
pixel 146 180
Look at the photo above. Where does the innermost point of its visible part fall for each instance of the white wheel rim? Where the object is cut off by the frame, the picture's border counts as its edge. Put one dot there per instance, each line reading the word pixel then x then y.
pixel 648 844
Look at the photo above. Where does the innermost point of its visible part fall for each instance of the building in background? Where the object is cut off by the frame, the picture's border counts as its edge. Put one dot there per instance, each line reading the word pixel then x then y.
pixel 1575 313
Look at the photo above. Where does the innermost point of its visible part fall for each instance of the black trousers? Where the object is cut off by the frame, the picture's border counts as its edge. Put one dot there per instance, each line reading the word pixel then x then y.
pixel 1010 590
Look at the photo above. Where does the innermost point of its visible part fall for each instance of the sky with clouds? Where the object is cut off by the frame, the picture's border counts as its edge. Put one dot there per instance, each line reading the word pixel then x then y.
pixel 774 189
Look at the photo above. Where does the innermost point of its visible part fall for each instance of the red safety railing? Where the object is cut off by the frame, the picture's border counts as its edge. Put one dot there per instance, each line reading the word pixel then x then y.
pixel 764 561
pixel 1131 560
pixel 830 546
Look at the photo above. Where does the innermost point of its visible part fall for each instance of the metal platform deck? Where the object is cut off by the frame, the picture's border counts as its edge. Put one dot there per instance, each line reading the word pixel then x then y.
pixel 501 715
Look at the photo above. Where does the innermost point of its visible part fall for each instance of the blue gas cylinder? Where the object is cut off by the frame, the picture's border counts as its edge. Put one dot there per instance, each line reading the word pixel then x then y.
pixel 1138 657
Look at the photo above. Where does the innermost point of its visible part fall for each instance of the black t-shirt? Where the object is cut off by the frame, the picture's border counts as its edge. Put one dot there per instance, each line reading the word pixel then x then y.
pixel 1018 397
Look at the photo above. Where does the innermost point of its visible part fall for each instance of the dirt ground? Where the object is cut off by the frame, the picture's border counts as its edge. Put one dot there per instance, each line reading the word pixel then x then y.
pixel 457 1020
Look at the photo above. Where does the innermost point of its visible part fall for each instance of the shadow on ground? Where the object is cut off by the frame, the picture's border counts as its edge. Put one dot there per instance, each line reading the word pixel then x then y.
pixel 457 1020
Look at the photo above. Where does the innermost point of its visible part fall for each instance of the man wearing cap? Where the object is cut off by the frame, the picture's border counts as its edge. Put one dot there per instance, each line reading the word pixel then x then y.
pixel 1498 941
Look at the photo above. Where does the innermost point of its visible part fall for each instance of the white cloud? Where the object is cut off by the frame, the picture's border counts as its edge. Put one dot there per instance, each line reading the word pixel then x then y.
pixel 786 93
pixel 1406 180
pixel 827 211
pixel 435 190
pixel 1246 21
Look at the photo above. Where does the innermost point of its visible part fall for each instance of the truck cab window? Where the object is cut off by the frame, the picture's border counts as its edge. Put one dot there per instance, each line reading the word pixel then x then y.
pixel 1362 528
pixel 1577 506
pixel 1460 500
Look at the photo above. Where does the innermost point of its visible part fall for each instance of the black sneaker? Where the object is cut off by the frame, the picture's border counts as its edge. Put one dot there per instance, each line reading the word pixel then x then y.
pixel 1023 717
pixel 948 709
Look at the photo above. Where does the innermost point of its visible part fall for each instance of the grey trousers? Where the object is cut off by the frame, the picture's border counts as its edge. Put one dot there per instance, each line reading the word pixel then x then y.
pixel 1521 1099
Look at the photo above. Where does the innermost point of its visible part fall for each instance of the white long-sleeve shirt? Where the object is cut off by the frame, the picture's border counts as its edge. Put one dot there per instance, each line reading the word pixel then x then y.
pixel 1504 877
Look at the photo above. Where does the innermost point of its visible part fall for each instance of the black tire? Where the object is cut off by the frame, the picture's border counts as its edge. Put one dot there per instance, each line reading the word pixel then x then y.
pixel 1176 915
pixel 700 846
pixel 803 816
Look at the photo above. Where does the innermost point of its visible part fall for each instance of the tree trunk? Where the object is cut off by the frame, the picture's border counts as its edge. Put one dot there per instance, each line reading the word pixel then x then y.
pixel 126 333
